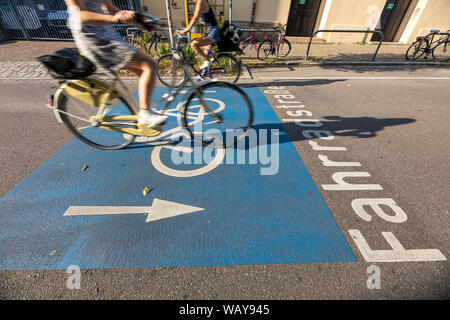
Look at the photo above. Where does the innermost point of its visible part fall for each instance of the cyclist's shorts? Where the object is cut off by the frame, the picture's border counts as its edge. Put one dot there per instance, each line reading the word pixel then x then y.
pixel 213 33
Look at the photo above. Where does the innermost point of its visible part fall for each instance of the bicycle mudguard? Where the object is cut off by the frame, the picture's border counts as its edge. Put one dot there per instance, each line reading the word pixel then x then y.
pixel 92 91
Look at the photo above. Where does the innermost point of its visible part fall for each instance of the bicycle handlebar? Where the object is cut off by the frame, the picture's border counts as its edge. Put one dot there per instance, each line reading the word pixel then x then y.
pixel 148 22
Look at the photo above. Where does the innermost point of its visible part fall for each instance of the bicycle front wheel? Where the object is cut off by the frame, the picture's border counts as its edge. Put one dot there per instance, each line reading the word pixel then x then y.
pixel 219 115
pixel 442 52
pixel 416 50
pixel 225 68
pixel 265 48
pixel 284 48
pixel 79 116
pixel 170 71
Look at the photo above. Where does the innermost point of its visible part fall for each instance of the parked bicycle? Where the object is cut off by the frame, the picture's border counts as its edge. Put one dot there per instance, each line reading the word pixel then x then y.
pixel 104 115
pixel 249 46
pixel 133 36
pixel 224 67
pixel 439 49
pixel 278 45
pixel 136 38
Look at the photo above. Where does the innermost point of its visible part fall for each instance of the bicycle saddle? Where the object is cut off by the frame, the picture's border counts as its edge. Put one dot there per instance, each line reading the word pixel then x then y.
pixel 435 30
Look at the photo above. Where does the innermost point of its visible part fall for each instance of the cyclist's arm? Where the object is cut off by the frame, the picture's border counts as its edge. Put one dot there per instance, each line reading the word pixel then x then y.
pixel 195 17
pixel 89 17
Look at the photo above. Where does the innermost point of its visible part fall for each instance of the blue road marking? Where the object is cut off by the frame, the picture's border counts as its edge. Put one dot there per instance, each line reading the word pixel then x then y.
pixel 249 218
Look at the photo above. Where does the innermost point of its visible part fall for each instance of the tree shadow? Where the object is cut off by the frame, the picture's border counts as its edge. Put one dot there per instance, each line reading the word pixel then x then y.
pixel 358 127
pixel 379 68
pixel 314 82
pixel 264 134
pixel 7 42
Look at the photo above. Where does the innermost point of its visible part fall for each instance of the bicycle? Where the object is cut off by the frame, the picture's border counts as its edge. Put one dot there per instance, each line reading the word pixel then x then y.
pixel 136 36
pixel 278 45
pixel 246 45
pixel 104 115
pixel 440 48
pixel 224 66
pixel 133 36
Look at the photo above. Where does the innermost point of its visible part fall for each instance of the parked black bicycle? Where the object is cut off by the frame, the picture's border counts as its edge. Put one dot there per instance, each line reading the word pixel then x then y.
pixel 136 37
pixel 439 49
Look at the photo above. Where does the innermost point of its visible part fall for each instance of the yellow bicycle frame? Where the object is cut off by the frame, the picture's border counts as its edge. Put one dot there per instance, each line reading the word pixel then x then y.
pixel 98 93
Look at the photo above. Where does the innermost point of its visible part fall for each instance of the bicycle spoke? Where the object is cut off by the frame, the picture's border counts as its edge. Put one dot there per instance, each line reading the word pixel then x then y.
pixel 227 116
pixel 78 117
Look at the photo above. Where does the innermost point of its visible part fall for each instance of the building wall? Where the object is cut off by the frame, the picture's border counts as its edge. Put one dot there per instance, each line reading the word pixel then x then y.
pixel 270 11
pixel 267 11
pixel 158 8
pixel 421 16
pixel 424 16
pixel 349 15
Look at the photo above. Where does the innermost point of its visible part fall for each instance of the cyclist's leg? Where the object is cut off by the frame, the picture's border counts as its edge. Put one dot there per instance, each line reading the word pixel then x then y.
pixel 146 68
pixel 198 44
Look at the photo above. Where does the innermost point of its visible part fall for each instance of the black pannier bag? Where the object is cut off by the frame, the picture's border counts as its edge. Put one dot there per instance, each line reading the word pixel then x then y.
pixel 230 36
pixel 68 64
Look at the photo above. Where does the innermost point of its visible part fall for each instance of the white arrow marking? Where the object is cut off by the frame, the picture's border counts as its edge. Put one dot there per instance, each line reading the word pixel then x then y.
pixel 160 209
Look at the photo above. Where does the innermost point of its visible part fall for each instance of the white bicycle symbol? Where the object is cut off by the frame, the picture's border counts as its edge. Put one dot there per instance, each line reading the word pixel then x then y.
pixel 176 133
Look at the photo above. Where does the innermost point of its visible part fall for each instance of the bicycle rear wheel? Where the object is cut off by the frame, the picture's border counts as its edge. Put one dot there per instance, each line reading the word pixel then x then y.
pixel 78 117
pixel 135 38
pixel 161 43
pixel 226 68
pixel 442 52
pixel 230 105
pixel 248 49
pixel 170 71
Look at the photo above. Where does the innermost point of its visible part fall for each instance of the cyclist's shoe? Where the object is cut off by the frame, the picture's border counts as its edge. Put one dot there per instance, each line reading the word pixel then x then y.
pixel 206 64
pixel 151 118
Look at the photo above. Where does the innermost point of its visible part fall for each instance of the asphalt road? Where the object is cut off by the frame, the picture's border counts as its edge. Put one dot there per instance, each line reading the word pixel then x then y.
pixel 392 121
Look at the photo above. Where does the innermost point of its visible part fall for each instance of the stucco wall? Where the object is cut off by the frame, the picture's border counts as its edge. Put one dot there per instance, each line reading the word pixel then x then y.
pixel 421 16
pixel 436 15
pixel 158 8
pixel 350 15
pixel 272 11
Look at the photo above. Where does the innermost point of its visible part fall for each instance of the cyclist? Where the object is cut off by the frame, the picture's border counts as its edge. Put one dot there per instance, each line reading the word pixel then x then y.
pixel 204 10
pixel 90 22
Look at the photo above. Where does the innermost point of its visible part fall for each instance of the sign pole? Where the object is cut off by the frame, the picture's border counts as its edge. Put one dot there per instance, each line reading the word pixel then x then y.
pixel 253 13
pixel 230 14
pixel 169 19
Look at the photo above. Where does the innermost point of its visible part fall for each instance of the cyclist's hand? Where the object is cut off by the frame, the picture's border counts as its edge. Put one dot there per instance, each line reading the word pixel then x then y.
pixel 183 32
pixel 126 17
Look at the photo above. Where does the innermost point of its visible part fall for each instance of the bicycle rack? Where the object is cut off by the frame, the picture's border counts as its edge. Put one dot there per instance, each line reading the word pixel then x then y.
pixel 350 31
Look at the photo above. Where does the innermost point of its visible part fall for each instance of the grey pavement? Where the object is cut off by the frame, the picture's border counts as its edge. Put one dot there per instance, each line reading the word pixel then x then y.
pixel 393 120
pixel 23 70
pixel 17 58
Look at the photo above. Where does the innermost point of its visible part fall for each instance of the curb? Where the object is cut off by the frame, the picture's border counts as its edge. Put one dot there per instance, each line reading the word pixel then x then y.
pixel 355 63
